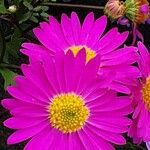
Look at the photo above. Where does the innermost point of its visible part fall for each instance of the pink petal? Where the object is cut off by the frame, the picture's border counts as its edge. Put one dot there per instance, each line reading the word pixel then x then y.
pixel 94 95
pixel 56 134
pixel 80 60
pixel 35 73
pixel 102 143
pixel 143 116
pixel 120 121
pixel 74 142
pixel 101 82
pixel 137 110
pixel 144 60
pixel 56 28
pixel 22 122
pixel 52 36
pixel 44 39
pixel 69 61
pixel 114 104
pixel 76 27
pixel 107 126
pixel 130 58
pixel 59 66
pixel 89 73
pixel 35 55
pixel 39 143
pixel 67 29
pixel 119 112
pixel 120 52
pixel 87 27
pixel 24 85
pixel 106 96
pixel 103 42
pixel 35 50
pixel 119 88
pixel 115 43
pixel 15 92
pixel 30 111
pixel 24 134
pixel 10 103
pixel 128 75
pixel 109 136
pixel 97 31
pixel 87 141
pixel 51 74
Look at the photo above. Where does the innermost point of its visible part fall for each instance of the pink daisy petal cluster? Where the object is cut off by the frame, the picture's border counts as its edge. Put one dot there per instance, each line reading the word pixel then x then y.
pixel 140 128
pixel 71 35
pixel 61 103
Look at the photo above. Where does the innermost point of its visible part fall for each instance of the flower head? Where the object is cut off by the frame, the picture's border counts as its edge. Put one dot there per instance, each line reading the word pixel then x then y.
pixel 140 129
pixel 58 100
pixel 137 10
pixel 115 9
pixel 71 35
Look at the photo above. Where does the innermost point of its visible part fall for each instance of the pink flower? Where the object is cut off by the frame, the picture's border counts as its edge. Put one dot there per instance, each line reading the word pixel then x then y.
pixel 71 35
pixel 140 129
pixel 59 105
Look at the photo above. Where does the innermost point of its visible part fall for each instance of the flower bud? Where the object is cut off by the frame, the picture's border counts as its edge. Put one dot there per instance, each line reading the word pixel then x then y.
pixel 12 8
pixel 114 9
pixel 137 10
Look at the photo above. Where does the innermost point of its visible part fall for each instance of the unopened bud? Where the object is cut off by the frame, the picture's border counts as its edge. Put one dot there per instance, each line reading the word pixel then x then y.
pixel 114 9
pixel 12 8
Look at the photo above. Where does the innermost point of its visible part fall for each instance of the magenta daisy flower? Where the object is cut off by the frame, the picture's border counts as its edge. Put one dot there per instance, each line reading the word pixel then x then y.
pixel 59 105
pixel 140 129
pixel 71 35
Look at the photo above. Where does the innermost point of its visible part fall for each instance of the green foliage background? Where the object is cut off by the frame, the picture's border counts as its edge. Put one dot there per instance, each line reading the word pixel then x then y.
pixel 17 19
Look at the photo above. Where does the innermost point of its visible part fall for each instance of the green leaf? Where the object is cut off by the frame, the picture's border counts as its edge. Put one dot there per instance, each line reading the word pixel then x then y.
pixel 36 14
pixel 45 15
pixel 34 19
pixel 13 46
pixel 3 9
pixel 38 8
pixel 8 76
pixel 28 5
pixel 45 8
pixel 25 17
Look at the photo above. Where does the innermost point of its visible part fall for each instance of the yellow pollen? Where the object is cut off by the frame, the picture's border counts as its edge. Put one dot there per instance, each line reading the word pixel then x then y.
pixel 89 53
pixel 146 93
pixel 68 112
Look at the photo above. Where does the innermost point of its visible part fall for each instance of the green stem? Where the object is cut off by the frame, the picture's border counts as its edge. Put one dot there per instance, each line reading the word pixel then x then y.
pixel 73 5
pixel 11 66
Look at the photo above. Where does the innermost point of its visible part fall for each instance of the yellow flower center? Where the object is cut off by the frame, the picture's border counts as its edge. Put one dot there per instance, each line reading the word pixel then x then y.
pixel 68 112
pixel 89 53
pixel 146 93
